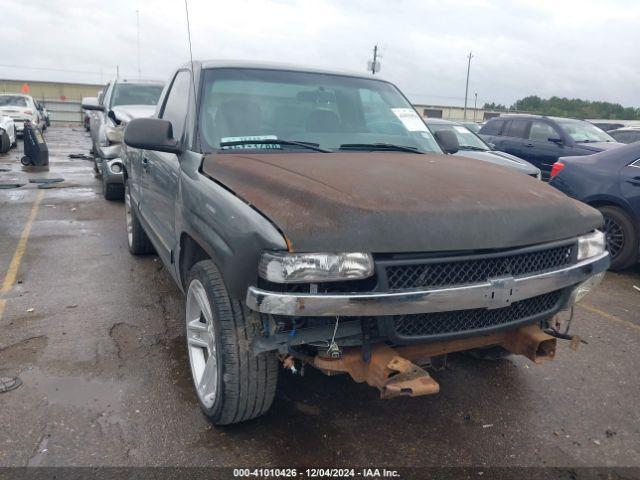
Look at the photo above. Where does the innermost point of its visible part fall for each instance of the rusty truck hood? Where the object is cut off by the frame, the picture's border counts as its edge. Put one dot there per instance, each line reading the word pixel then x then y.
pixel 398 202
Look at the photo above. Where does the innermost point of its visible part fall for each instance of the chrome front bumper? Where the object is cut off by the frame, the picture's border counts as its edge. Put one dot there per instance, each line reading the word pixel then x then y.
pixel 495 293
pixel 109 152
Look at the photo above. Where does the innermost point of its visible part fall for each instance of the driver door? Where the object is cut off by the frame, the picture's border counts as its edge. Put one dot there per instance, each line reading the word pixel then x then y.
pixel 160 171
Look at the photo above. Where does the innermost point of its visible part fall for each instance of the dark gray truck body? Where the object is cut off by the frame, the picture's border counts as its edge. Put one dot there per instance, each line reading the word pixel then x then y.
pixel 405 209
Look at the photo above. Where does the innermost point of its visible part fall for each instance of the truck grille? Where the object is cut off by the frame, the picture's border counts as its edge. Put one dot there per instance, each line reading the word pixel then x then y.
pixel 417 275
pixel 426 324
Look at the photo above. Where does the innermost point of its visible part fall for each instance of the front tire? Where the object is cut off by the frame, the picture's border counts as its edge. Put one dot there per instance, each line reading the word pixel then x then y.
pixel 232 383
pixel 622 237
pixel 5 142
pixel 137 239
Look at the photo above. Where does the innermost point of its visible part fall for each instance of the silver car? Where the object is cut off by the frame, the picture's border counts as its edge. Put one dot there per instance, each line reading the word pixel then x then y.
pixel 472 146
pixel 121 101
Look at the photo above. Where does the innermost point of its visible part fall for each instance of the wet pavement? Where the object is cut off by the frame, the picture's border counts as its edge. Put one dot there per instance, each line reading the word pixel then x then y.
pixel 96 335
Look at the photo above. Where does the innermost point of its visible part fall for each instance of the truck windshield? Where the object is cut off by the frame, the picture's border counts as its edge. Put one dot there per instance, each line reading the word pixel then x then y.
pixel 241 107
pixel 135 94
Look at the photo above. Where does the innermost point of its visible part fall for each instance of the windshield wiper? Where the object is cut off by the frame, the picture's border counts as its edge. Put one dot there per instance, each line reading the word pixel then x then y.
pixel 379 146
pixel 473 148
pixel 274 141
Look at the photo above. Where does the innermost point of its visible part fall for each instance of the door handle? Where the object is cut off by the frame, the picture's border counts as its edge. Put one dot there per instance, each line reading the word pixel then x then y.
pixel 528 144
pixel 634 181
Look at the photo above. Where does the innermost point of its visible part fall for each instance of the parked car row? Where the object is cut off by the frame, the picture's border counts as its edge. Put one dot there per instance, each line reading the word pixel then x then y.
pixel 313 218
pixel 543 140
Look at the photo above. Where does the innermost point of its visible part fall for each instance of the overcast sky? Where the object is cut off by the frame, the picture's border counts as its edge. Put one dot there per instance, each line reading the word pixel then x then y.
pixel 584 48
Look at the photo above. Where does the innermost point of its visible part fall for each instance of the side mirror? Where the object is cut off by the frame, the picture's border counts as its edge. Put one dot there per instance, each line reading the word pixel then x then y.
pixel 492 146
pixel 557 140
pixel 447 140
pixel 151 134
pixel 91 103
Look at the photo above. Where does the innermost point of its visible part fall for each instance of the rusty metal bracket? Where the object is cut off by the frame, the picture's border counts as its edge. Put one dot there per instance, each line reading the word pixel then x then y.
pixel 531 342
pixel 392 374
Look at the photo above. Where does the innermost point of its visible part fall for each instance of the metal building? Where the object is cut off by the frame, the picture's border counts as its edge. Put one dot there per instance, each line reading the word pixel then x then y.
pixel 61 99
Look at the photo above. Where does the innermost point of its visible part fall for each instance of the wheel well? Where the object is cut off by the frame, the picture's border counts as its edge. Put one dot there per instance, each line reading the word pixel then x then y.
pixel 190 253
pixel 604 203
pixel 608 203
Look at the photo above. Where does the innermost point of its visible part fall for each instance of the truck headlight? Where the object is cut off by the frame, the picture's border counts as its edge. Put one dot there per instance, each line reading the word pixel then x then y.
pixel 591 245
pixel 114 133
pixel 283 267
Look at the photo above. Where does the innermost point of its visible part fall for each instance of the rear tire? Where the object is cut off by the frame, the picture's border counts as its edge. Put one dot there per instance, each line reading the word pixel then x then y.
pixel 232 383
pixel 137 239
pixel 622 237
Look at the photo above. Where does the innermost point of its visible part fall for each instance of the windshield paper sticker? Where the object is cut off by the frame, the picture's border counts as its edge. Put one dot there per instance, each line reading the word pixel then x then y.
pixel 249 145
pixel 410 119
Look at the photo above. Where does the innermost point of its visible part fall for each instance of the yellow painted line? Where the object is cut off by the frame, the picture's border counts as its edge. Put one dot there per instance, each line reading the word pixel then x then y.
pixel 2 304
pixel 12 272
pixel 609 316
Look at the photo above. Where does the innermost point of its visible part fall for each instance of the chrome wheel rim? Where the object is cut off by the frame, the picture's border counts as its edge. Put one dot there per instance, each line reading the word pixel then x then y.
pixel 614 236
pixel 127 213
pixel 201 343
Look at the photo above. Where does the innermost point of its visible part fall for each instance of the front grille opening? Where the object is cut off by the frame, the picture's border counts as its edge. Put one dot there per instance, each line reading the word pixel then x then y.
pixel 439 323
pixel 440 274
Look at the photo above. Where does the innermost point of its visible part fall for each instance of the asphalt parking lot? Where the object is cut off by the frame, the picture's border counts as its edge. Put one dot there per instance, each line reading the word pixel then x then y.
pixel 96 335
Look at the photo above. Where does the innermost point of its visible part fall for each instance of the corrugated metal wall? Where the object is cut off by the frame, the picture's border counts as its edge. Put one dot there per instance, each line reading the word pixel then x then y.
pixel 61 99
pixel 64 111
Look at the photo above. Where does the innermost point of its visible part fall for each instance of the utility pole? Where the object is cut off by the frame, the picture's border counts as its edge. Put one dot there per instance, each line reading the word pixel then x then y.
pixel 475 106
pixel 466 91
pixel 138 33
pixel 375 59
pixel 374 66
pixel 117 71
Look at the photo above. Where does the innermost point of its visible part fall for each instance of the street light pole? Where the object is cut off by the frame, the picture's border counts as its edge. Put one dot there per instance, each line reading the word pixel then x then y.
pixel 475 106
pixel 466 91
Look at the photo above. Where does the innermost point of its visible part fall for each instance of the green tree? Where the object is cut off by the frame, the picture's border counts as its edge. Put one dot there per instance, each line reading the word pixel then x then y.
pixel 572 107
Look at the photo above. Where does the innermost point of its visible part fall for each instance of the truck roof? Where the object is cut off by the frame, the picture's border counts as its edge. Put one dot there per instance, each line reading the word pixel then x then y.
pixel 208 64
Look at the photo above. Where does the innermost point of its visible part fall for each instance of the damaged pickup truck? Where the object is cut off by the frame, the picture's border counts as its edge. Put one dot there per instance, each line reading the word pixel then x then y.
pixel 311 219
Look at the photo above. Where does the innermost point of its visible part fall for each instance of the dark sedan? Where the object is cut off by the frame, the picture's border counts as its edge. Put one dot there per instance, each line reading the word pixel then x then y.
pixel 542 140
pixel 609 181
